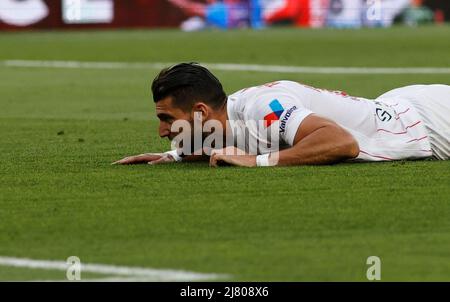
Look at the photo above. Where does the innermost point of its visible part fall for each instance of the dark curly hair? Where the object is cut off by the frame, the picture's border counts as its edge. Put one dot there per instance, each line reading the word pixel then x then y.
pixel 188 83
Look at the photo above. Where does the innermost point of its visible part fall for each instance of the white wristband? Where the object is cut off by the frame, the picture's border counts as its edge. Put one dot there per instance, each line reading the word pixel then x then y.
pixel 174 155
pixel 263 160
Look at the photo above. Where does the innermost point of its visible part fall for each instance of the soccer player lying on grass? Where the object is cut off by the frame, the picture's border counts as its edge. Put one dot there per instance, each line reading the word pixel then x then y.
pixel 307 125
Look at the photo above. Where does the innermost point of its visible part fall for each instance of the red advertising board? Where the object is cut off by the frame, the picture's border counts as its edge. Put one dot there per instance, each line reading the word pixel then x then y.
pixel 45 14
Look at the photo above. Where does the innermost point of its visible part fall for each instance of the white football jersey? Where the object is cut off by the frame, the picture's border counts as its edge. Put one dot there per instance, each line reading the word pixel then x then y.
pixel 385 128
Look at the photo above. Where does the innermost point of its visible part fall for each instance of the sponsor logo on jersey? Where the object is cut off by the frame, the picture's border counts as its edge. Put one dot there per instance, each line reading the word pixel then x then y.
pixel 383 115
pixel 277 111
pixel 285 119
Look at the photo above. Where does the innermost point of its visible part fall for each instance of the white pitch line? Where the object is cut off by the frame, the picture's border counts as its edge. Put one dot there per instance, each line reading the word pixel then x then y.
pixel 121 273
pixel 229 67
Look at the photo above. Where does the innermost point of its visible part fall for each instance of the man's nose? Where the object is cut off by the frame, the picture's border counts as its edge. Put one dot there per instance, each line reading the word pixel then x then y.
pixel 164 130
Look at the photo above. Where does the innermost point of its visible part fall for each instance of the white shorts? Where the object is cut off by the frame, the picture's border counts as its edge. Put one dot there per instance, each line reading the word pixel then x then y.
pixel 433 104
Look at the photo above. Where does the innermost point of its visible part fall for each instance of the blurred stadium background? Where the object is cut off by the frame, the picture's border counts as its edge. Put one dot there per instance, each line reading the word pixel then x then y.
pixel 199 14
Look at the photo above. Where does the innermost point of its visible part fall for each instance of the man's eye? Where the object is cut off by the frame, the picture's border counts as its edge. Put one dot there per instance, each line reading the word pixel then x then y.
pixel 166 119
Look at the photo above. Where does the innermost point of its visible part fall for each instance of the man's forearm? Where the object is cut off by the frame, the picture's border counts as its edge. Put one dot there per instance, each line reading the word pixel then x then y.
pixel 324 146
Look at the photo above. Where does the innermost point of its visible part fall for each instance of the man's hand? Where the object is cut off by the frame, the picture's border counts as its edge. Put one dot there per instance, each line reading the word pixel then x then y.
pixel 231 156
pixel 147 158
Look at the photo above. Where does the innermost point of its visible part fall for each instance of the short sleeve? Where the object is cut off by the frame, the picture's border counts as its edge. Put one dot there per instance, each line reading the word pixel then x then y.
pixel 278 109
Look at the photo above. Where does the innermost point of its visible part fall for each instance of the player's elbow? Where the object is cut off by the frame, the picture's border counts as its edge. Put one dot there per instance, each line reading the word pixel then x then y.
pixel 349 146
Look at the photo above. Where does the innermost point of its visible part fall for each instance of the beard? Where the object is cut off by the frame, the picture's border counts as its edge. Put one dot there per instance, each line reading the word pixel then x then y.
pixel 191 140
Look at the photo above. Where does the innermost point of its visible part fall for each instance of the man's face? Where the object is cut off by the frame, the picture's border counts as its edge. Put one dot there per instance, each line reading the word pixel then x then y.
pixel 167 114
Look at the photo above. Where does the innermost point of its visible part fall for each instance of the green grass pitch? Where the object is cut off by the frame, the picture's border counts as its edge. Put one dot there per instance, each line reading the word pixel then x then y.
pixel 61 128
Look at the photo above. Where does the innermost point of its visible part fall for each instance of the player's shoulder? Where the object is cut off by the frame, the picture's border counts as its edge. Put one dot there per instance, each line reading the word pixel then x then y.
pixel 249 99
pixel 252 93
pixel 257 101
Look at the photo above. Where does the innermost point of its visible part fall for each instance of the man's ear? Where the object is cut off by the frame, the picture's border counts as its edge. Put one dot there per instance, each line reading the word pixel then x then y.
pixel 204 109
